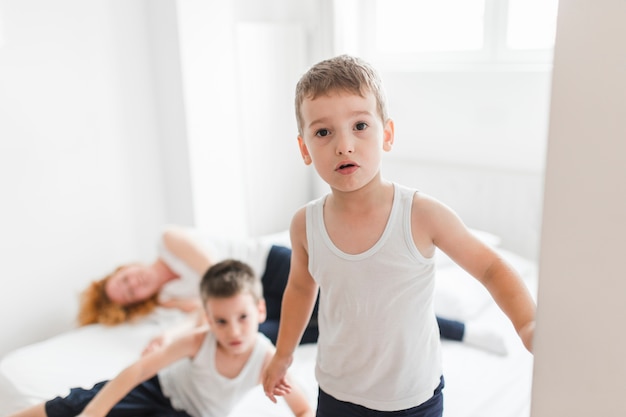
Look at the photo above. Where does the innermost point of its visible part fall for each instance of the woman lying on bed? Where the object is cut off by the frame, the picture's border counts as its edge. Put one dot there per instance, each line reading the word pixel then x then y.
pixel 171 281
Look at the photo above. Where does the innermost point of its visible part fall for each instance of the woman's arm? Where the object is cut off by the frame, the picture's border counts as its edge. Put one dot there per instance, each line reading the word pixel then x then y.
pixel 179 242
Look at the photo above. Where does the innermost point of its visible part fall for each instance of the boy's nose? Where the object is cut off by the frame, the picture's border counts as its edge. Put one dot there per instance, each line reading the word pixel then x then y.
pixel 235 330
pixel 345 144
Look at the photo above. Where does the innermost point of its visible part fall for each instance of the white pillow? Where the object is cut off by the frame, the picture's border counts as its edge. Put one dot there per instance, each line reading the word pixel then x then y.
pixel 458 295
pixel 279 238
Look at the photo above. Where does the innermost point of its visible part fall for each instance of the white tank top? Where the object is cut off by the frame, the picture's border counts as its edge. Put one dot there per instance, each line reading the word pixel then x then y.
pixel 379 342
pixel 194 385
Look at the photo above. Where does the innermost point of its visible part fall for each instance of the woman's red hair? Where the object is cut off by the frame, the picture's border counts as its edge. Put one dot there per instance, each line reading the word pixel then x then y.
pixel 97 307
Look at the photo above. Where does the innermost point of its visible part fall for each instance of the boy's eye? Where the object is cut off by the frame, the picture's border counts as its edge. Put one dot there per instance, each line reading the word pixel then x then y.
pixel 322 133
pixel 360 126
pixel 243 317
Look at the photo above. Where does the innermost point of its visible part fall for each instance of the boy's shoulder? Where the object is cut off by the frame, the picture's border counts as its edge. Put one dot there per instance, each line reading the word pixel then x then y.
pixel 265 342
pixel 197 337
pixel 423 199
pixel 268 349
pixel 265 345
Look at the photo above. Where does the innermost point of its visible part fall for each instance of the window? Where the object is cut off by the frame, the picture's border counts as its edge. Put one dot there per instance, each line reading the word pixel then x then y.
pixel 440 32
pixel 428 26
pixel 531 24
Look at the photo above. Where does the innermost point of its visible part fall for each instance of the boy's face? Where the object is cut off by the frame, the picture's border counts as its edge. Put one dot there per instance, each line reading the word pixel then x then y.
pixel 235 321
pixel 344 137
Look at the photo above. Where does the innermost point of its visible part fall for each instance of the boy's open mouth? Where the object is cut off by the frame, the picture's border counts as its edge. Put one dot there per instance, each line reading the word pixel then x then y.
pixel 346 166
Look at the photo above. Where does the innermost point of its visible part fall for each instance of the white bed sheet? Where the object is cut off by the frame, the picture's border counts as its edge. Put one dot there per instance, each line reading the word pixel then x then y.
pixel 478 383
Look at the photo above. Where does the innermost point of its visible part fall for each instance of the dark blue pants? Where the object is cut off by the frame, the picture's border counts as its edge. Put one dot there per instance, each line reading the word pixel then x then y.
pixel 451 329
pixel 146 399
pixel 328 406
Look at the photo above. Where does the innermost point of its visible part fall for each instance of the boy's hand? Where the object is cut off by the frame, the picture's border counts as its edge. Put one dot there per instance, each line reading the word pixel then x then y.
pixel 274 377
pixel 155 344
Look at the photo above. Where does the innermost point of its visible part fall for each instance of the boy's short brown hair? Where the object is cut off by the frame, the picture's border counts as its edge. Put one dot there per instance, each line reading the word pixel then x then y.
pixel 341 73
pixel 229 278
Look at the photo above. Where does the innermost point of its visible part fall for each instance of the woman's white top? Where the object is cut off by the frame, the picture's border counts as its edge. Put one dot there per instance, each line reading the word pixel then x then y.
pixel 379 343
pixel 253 251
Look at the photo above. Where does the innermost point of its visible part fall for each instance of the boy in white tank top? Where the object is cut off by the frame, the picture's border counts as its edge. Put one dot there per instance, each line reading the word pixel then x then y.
pixel 368 247
pixel 203 373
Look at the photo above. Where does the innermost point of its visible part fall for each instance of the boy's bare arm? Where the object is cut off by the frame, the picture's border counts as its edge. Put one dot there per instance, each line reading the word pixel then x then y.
pixel 298 302
pixel 298 402
pixel 295 398
pixel 513 297
pixel 447 232
pixel 300 292
pixel 141 370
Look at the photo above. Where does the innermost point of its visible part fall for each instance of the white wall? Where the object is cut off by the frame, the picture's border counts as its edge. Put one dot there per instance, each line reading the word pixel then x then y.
pixel 580 366
pixel 272 56
pixel 80 169
pixel 490 118
pixel 240 62
pixel 172 132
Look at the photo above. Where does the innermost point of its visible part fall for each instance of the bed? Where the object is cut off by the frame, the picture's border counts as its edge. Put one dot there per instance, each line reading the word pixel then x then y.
pixel 479 383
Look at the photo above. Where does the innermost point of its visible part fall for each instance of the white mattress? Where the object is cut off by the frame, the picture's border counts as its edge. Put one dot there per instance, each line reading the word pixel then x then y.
pixel 478 383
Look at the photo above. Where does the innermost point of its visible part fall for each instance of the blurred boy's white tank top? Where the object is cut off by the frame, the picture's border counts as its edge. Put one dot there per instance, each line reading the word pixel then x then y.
pixel 379 343
pixel 194 385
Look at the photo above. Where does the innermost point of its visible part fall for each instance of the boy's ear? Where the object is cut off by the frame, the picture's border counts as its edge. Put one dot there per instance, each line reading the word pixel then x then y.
pixel 304 151
pixel 388 135
pixel 262 311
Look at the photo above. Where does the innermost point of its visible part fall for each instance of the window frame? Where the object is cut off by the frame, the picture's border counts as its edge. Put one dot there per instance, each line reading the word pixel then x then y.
pixel 354 30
